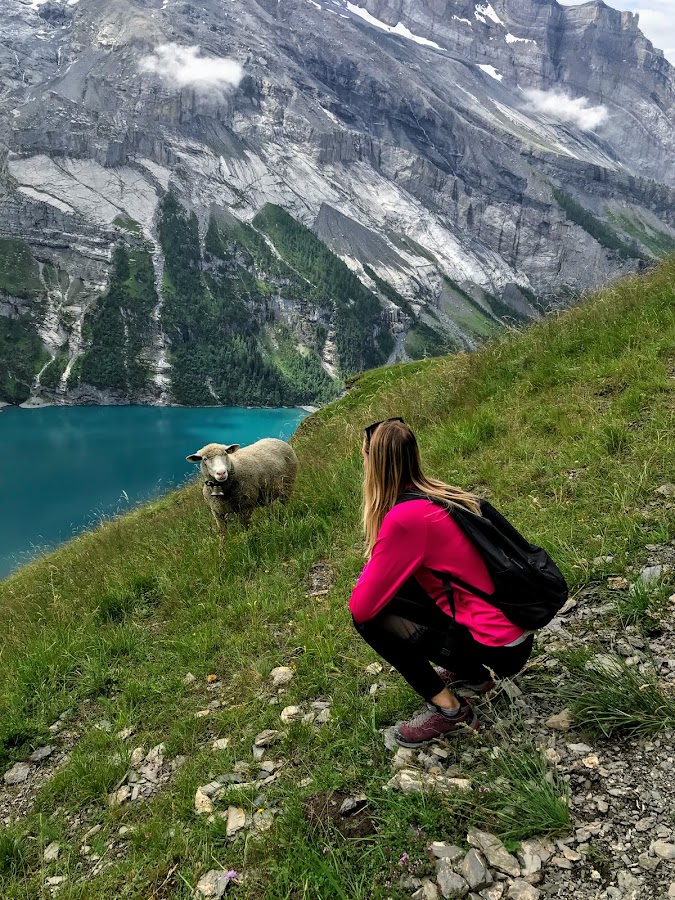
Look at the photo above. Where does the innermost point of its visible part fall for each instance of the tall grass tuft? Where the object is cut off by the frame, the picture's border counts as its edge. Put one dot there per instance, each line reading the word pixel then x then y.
pixel 609 697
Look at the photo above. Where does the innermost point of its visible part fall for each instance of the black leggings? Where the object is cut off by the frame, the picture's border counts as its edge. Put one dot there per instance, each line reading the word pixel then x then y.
pixel 411 634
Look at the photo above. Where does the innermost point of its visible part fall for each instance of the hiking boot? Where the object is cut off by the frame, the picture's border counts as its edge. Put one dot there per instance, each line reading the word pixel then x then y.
pixel 455 683
pixel 430 724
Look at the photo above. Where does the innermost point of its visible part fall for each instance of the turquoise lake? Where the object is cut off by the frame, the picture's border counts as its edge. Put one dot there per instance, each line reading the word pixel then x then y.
pixel 65 468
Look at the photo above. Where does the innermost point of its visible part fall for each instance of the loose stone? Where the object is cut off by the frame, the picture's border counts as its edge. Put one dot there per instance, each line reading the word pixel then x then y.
pixel 428 891
pixel 451 884
pixel 221 744
pixel 203 804
pixel 17 774
pixel 281 675
pixel 521 890
pixel 267 737
pixel 664 850
pixel 52 852
pixel 441 850
pixel 41 754
pixel 474 871
pixel 561 721
pixel 213 884
pixel 495 852
pixel 290 714
pixel 236 819
pixel 351 805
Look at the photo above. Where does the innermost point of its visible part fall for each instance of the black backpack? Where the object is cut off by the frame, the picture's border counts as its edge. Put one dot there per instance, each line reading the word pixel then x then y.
pixel 529 588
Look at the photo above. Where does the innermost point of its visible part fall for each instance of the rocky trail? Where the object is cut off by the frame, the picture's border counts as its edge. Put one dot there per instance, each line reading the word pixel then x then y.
pixel 620 843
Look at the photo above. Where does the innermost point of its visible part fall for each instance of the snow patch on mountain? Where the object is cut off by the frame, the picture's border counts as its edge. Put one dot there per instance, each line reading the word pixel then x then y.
pixel 487 10
pixel 491 71
pixel 399 29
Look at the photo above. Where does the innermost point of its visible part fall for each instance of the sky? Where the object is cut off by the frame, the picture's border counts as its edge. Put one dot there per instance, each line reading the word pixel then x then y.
pixel 657 20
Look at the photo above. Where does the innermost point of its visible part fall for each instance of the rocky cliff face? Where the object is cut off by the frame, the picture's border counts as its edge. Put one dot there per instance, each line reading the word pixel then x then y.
pixel 472 163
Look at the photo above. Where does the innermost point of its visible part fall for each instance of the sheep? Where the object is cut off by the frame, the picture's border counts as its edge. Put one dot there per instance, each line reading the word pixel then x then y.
pixel 237 480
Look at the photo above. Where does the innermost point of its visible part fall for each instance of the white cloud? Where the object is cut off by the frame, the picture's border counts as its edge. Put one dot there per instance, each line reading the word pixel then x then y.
pixel 657 20
pixel 573 110
pixel 186 67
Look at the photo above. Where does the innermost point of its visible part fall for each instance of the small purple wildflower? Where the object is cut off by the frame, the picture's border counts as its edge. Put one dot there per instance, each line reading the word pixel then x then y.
pixel 403 860
pixel 231 874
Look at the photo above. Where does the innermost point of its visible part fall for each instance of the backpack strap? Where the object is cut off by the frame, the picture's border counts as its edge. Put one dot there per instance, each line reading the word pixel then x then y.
pixel 447 579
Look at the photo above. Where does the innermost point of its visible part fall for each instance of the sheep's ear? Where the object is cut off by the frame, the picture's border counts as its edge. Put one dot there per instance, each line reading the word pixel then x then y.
pixel 194 457
pixel 233 448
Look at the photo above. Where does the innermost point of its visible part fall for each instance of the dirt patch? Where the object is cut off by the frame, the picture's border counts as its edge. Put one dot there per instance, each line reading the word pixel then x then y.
pixel 321 579
pixel 323 809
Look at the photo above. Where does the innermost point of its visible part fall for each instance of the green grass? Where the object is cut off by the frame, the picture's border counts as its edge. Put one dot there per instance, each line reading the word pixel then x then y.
pixel 568 427
pixel 609 697
pixel 645 604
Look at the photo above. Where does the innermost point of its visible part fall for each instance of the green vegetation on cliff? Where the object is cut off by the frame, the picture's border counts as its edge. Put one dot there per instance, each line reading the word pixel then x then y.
pixel 361 338
pixel 21 351
pixel 19 272
pixel 118 329
pixel 602 233
pixel 567 427
pixel 213 313
pixel 21 357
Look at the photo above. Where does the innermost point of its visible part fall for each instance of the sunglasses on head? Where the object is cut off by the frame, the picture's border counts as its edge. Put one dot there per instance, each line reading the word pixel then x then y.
pixel 371 429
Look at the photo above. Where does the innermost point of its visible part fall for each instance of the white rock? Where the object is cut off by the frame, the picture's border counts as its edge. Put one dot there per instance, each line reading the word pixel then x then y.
pixel 561 721
pixel 664 850
pixel 221 744
pixel 666 490
pixel 495 852
pixel 403 758
pixel 120 796
pixel 189 678
pixel 94 830
pixel 203 804
pixel 236 819
pixel 323 717
pixel 282 675
pixel 267 737
pixel 17 774
pixel 56 880
pixel 125 733
pixel 212 885
pixel 374 668
pixel 290 714
pixel 521 890
pixel 52 852
pixel 137 756
pixel 671 891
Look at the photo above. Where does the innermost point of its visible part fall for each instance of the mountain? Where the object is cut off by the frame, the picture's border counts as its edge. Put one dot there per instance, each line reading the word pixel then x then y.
pixel 240 202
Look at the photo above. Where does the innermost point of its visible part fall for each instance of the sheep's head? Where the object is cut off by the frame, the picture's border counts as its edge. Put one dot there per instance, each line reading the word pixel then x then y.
pixel 216 462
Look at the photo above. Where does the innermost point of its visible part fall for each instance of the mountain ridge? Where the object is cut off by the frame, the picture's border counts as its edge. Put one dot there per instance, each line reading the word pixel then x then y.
pixel 342 117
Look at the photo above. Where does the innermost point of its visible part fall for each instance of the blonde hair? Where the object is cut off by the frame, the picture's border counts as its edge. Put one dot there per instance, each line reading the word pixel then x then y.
pixel 394 464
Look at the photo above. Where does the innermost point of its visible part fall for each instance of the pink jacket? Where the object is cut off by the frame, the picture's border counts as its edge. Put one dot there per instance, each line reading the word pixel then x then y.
pixel 416 537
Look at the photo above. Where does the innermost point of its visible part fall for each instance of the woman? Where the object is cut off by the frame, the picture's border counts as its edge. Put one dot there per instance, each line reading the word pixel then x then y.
pixel 400 607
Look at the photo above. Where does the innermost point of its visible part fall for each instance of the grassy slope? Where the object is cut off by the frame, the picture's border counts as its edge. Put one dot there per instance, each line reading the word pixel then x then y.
pixel 568 427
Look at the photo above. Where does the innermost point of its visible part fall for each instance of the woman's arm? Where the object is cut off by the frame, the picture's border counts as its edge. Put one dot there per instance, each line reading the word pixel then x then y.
pixel 397 554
